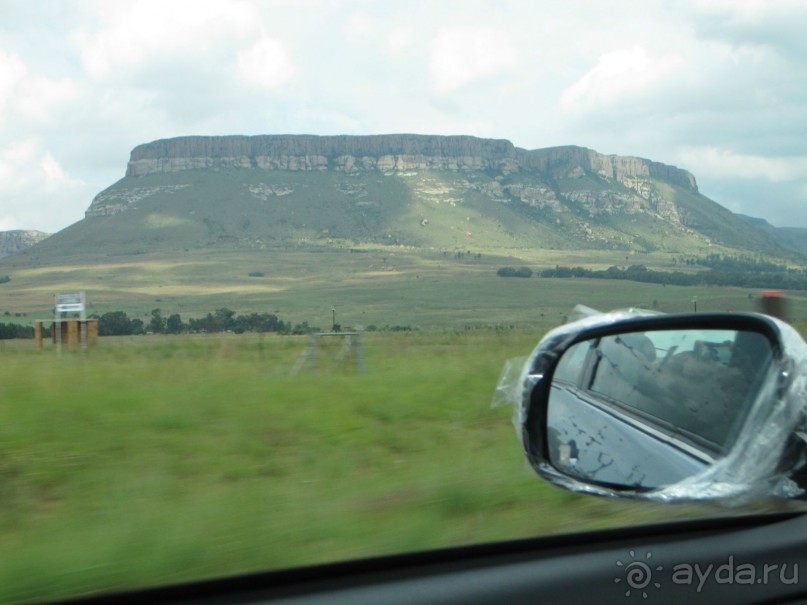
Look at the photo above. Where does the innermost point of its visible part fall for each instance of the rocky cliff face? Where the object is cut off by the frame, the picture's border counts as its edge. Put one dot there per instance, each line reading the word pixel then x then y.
pixel 389 153
pixel 14 242
pixel 566 161
pixel 308 152
pixel 559 181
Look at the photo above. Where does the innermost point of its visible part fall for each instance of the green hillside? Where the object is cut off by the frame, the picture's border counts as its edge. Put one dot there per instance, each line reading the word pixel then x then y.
pixel 243 209
pixel 792 238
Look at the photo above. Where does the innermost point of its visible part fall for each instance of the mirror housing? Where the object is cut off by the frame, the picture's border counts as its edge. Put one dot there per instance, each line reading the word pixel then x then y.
pixel 755 450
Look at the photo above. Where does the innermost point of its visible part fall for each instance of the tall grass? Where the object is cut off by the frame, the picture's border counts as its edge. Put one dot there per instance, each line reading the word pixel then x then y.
pixel 162 459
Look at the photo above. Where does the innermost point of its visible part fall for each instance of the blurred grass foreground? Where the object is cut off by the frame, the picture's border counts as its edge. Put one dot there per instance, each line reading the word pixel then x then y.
pixel 159 459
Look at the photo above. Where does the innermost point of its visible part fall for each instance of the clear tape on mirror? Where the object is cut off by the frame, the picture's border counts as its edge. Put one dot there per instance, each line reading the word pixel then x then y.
pixel 752 467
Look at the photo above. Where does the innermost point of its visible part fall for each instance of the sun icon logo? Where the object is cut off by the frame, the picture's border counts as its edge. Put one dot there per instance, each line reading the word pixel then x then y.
pixel 638 575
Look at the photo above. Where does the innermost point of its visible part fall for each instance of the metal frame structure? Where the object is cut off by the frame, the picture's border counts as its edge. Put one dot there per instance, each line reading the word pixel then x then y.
pixel 351 347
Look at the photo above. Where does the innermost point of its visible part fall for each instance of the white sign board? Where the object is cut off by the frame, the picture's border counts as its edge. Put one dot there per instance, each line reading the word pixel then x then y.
pixel 70 308
pixel 63 299
pixel 70 303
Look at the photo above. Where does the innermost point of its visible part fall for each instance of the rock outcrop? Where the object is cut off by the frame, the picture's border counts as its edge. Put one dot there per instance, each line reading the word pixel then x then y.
pixel 114 200
pixel 14 242
pixel 568 161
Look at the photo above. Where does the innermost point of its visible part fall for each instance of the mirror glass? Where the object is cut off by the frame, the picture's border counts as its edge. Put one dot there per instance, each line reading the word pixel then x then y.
pixel 644 410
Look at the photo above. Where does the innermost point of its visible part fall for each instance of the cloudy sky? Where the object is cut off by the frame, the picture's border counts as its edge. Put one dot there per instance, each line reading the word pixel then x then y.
pixel 718 87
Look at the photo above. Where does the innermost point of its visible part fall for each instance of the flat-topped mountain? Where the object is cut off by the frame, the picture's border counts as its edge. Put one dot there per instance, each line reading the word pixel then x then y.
pixel 420 191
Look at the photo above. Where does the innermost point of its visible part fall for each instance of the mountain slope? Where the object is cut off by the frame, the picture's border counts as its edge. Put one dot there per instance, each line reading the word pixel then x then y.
pixel 793 238
pixel 431 192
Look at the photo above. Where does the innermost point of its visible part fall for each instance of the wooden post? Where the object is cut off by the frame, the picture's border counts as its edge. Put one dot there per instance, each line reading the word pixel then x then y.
pixel 72 333
pixel 92 332
pixel 38 334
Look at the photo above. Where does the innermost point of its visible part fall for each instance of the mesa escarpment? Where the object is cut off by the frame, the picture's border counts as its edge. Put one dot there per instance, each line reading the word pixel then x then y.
pixel 568 160
pixel 388 153
pixel 309 152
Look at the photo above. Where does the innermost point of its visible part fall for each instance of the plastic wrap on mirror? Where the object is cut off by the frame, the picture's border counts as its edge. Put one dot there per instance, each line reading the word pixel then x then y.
pixel 508 388
pixel 752 467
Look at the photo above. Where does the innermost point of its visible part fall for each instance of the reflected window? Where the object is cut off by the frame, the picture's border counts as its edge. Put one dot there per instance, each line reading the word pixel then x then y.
pixel 571 367
pixel 699 382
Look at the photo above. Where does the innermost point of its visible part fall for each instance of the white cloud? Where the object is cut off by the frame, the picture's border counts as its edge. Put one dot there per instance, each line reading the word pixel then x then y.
pixel 399 40
pixel 618 74
pixel 266 64
pixel 774 24
pixel 12 72
pixel 132 33
pixel 26 164
pixel 462 55
pixel 56 178
pixel 15 160
pixel 360 25
pixel 727 164
pixel 750 10
pixel 30 96
pixel 37 192
pixel 38 97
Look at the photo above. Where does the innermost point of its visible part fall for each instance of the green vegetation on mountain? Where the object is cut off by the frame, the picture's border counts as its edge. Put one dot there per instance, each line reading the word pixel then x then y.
pixel 792 238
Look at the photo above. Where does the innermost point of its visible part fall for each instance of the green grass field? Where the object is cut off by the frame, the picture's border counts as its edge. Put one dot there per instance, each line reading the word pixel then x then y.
pixel 379 286
pixel 158 459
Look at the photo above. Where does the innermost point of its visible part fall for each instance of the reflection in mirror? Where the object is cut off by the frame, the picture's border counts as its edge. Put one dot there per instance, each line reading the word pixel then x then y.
pixel 647 409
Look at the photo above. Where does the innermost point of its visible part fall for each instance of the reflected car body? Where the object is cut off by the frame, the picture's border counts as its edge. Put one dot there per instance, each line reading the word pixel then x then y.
pixel 583 427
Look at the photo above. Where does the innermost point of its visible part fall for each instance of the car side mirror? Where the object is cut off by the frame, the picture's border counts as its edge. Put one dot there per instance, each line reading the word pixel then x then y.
pixel 678 407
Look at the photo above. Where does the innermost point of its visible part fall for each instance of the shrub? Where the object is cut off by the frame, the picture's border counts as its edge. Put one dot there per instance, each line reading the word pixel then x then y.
pixel 513 272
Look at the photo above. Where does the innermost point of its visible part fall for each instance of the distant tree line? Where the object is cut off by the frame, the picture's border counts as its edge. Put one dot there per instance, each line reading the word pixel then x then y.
pixel 392 328
pixel 736 264
pixel 8 331
pixel 726 272
pixel 118 323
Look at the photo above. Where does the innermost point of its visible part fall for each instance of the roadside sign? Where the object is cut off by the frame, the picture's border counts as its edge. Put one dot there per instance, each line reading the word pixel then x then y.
pixel 71 303
pixel 69 298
